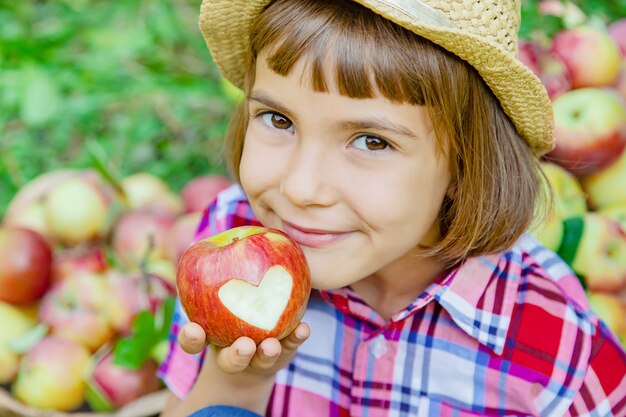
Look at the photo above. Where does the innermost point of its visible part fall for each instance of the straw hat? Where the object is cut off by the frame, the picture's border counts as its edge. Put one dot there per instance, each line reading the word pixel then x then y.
pixel 482 32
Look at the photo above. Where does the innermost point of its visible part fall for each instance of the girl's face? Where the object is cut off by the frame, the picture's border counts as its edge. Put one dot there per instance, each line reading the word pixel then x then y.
pixel 358 183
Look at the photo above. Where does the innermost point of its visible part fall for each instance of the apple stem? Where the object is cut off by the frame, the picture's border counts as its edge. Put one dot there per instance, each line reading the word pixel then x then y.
pixel 145 276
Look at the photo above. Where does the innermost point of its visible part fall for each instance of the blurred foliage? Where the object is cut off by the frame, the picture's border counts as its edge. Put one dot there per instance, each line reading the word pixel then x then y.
pixel 597 12
pixel 133 78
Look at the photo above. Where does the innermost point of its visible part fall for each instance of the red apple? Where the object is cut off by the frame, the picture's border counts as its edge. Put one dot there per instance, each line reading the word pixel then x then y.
pixel 591 55
pixel 601 254
pixel 590 130
pixel 528 53
pixel 140 236
pixel 25 265
pixel 126 299
pixel 555 75
pixel 79 260
pixel 76 308
pixel 617 30
pixel 199 192
pixel 119 386
pixel 181 234
pixel 50 375
pixel 247 281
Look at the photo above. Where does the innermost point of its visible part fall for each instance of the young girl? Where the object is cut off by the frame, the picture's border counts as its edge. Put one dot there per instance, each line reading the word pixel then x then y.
pixel 397 142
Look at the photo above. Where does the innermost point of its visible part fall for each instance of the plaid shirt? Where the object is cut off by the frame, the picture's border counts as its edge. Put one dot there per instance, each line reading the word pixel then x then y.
pixel 506 334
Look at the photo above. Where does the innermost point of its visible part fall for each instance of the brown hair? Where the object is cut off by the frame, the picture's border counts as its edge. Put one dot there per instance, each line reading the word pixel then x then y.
pixel 494 176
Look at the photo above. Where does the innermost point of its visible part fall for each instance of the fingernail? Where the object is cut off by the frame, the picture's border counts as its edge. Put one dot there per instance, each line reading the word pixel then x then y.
pixel 189 335
pixel 300 334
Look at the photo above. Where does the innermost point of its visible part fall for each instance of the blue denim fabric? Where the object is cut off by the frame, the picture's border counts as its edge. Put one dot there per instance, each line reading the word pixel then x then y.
pixel 223 411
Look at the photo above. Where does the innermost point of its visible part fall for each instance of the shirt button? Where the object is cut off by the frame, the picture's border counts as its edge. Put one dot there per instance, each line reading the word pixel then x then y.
pixel 378 346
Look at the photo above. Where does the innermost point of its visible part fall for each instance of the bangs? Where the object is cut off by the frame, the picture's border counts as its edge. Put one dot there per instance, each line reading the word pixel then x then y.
pixel 350 49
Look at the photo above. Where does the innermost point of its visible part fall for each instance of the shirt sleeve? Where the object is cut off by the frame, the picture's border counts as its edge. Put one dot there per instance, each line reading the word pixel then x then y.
pixel 603 392
pixel 180 369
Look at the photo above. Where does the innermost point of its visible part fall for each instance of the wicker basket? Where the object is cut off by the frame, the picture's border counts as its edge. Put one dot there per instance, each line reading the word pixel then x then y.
pixel 148 405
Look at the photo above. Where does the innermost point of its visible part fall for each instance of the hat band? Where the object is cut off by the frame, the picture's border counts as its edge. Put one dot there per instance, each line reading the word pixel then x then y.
pixel 418 11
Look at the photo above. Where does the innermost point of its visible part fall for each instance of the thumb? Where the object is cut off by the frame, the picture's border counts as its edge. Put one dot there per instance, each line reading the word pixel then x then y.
pixel 192 338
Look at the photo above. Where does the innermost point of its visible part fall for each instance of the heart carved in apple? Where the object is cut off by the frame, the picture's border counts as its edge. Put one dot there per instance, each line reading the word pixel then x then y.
pixel 247 281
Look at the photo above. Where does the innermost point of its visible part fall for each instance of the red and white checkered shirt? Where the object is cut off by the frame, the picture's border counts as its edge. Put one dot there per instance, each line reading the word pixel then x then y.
pixel 509 334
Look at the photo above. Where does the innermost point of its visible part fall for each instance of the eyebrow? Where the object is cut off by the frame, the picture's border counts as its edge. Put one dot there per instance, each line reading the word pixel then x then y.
pixel 373 123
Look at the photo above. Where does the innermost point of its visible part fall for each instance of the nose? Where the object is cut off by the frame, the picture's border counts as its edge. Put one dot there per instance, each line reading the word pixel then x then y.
pixel 306 178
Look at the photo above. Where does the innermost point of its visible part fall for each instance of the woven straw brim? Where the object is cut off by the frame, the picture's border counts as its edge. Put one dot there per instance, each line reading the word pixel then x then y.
pixel 225 25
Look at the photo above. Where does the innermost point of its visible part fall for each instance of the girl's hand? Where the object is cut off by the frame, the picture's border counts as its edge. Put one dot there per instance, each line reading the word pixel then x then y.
pixel 243 355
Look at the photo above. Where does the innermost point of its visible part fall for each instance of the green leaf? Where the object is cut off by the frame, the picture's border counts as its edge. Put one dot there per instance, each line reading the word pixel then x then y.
pixel 96 400
pixel 573 229
pixel 148 331
pixel 132 351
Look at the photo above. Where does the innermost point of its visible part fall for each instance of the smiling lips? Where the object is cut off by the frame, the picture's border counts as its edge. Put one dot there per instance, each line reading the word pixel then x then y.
pixel 312 237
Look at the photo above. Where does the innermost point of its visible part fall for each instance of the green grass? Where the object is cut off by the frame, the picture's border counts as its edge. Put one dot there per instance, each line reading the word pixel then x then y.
pixel 133 78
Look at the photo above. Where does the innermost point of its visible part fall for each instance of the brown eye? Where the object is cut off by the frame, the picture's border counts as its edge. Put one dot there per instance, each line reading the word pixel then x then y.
pixel 370 143
pixel 278 121
pixel 375 144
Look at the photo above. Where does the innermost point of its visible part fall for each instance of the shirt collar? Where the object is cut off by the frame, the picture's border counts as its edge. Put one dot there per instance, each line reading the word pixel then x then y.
pixel 479 295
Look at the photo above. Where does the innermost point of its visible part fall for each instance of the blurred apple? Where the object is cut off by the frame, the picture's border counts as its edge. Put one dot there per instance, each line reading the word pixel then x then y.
pixel 139 236
pixel 548 229
pixel 591 55
pixel 14 324
pixel 555 75
pixel 620 83
pixel 142 187
pixel 125 300
pixel 601 254
pixel 181 235
pixel 25 265
pixel 610 309
pixel 119 386
pixel 199 192
pixel 162 268
pixel 50 375
pixel 75 308
pixel 617 213
pixel 76 211
pixel 606 187
pixel 78 260
pixel 26 207
pixel 165 204
pixel 569 199
pixel 590 130
pixel 528 53
pixel 617 30
pixel 548 224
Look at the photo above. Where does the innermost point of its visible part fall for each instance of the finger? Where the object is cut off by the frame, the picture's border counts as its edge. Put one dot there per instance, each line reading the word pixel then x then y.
pixel 267 354
pixel 296 338
pixel 192 338
pixel 236 357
